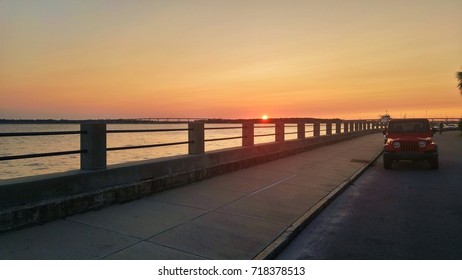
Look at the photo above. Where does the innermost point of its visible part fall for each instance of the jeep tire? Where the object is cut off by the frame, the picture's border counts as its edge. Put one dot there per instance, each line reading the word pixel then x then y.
pixel 434 163
pixel 387 162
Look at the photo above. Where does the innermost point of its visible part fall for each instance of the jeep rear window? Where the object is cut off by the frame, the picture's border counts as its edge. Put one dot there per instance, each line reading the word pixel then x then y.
pixel 408 127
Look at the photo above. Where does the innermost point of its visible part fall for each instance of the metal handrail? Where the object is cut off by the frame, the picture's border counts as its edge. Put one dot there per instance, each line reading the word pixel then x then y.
pixel 263 135
pixel 288 133
pixel 223 128
pixel 146 130
pixel 269 126
pixel 221 139
pixel 42 155
pixel 147 146
pixel 44 133
pixel 48 133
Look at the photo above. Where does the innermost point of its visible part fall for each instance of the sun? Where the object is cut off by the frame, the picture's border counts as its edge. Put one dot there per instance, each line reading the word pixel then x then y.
pixel 264 117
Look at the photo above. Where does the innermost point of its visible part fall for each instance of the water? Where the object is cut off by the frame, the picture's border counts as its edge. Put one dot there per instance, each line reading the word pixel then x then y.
pixel 42 144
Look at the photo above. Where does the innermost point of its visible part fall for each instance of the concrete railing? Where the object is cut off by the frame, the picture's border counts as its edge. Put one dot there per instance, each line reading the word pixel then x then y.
pixel 93 138
pixel 42 198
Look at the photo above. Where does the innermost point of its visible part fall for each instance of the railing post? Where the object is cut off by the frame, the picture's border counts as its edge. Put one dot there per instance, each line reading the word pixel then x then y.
pixel 346 126
pixel 196 138
pixel 328 128
pixel 93 140
pixel 352 126
pixel 280 133
pixel 300 130
pixel 316 129
pixel 247 134
pixel 338 127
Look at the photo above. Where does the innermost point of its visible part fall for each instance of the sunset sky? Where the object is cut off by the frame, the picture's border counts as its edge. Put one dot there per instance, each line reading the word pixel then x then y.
pixel 230 59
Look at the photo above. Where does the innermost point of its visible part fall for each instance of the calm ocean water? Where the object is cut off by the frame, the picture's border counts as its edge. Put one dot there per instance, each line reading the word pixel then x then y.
pixel 43 144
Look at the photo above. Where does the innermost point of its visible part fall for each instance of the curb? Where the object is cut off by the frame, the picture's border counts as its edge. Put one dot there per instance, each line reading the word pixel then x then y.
pixel 280 243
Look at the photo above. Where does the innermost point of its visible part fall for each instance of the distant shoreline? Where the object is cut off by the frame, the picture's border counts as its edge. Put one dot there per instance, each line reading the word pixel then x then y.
pixel 64 121
pixel 188 120
pixel 155 121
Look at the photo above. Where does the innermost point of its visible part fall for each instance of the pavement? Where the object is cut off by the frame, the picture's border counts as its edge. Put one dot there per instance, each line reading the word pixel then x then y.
pixel 410 212
pixel 248 214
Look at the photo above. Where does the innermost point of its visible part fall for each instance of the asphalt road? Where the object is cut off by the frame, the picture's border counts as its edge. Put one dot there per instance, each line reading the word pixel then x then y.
pixel 409 212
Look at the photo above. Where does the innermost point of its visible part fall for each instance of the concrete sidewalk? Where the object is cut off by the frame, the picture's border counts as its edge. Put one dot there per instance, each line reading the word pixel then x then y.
pixel 241 215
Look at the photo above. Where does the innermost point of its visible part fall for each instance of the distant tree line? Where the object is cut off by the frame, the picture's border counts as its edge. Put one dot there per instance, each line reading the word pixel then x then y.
pixel 147 121
pixel 64 121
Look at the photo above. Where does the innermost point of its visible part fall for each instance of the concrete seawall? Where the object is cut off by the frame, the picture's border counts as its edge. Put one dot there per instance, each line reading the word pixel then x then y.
pixel 38 199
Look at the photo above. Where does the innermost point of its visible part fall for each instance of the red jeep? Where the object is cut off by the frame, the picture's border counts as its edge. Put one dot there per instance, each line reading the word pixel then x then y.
pixel 409 139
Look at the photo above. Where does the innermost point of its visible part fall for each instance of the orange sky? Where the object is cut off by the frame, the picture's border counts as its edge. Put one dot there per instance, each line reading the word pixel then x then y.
pixel 230 59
